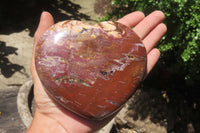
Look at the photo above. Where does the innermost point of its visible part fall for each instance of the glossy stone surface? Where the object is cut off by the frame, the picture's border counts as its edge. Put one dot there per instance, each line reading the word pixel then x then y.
pixel 90 70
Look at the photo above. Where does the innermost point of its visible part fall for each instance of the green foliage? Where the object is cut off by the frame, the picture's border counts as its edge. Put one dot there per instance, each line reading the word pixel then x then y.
pixel 180 47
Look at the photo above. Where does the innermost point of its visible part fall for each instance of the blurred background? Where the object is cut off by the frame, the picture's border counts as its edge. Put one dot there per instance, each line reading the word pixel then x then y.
pixel 167 101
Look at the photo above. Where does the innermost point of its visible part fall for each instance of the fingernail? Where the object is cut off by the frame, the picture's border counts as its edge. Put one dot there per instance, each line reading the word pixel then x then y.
pixel 42 14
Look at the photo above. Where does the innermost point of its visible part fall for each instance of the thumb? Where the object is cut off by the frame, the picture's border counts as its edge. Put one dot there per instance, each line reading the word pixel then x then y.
pixel 46 21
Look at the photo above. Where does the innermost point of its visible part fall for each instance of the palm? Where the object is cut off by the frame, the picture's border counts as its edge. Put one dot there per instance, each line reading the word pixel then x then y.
pixel 149 29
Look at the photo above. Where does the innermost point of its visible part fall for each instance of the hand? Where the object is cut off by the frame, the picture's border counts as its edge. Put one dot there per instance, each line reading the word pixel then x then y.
pixel 49 116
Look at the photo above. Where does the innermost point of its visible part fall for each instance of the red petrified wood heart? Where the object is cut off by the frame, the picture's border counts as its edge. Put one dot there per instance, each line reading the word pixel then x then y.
pixel 90 70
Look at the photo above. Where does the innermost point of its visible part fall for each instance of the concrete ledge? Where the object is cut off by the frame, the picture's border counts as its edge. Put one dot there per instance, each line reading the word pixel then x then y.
pixel 22 103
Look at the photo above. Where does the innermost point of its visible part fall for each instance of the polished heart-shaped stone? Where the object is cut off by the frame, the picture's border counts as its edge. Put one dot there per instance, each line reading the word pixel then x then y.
pixel 90 70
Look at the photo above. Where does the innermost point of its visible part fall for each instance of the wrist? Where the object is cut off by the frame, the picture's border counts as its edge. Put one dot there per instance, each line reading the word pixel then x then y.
pixel 45 124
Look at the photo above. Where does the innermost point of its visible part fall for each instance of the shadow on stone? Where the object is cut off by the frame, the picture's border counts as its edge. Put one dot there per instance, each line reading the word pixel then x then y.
pixel 166 109
pixel 8 68
pixel 18 15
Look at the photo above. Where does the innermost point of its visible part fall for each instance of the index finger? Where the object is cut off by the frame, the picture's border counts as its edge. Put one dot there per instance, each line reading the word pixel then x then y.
pixel 132 19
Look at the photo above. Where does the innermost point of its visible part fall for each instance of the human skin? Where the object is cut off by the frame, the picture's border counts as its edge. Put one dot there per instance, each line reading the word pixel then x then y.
pixel 51 117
